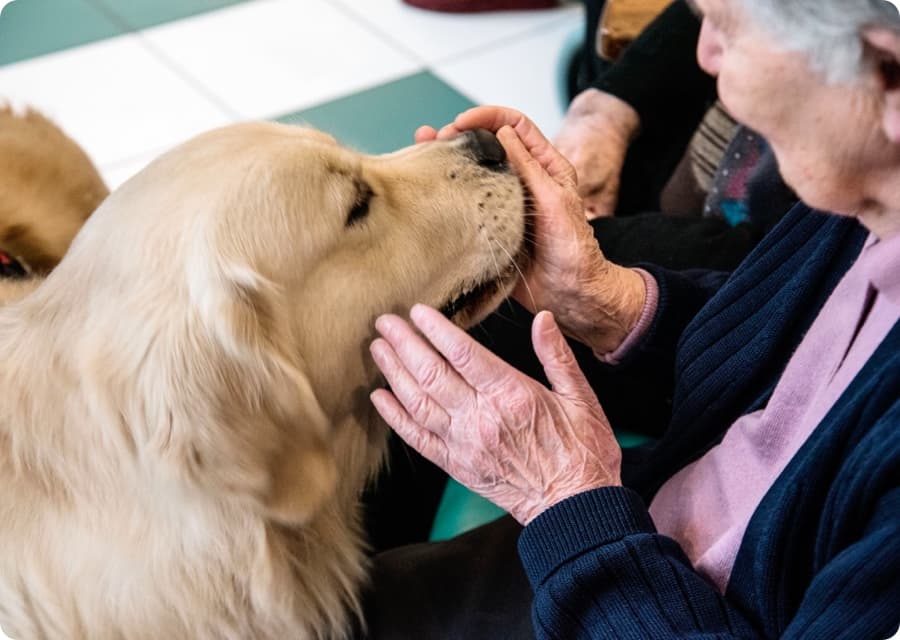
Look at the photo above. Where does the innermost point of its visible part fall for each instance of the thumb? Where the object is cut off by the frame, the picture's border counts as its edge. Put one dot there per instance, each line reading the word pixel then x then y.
pixel 556 357
pixel 534 168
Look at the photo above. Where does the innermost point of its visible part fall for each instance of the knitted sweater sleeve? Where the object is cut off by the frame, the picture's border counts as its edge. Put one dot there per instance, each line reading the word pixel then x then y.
pixel 599 570
pixel 637 392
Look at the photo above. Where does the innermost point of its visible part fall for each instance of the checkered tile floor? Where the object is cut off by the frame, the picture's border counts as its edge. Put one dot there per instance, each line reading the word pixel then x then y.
pixel 128 79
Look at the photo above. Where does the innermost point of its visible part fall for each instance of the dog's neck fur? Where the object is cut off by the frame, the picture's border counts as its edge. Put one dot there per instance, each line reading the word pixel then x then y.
pixel 156 531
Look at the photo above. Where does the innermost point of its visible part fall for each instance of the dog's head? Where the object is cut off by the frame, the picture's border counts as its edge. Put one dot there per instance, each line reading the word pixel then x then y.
pixel 238 277
pixel 48 188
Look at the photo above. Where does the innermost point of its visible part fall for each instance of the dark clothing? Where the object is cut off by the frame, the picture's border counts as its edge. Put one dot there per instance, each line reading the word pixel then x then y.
pixel 821 555
pixel 675 243
pixel 659 77
pixel 471 587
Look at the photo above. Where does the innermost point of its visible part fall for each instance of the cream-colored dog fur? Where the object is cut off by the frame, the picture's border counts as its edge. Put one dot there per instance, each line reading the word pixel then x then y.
pixel 184 418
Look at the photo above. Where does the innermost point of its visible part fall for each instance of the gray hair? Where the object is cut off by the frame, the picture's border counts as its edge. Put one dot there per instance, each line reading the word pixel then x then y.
pixel 828 31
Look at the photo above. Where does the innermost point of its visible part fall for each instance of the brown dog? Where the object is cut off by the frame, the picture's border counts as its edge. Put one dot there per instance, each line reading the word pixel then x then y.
pixel 48 188
pixel 184 418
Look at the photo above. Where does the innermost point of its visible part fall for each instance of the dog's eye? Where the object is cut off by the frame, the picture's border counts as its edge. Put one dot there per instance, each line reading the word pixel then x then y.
pixel 360 208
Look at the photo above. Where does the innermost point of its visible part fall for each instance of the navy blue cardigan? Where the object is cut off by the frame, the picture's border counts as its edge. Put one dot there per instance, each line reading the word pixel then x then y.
pixel 821 555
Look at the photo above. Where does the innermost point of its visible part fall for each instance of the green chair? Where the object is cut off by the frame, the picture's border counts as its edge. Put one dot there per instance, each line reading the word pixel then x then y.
pixel 461 510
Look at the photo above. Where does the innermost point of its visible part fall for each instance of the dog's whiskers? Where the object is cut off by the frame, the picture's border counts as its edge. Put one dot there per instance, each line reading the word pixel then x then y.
pixel 521 275
pixel 497 265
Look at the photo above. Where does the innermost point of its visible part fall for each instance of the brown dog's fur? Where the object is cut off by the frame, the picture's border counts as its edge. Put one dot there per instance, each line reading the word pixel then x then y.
pixel 48 188
pixel 184 418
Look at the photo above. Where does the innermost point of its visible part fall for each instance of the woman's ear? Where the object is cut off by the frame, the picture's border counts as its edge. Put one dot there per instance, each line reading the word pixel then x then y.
pixel 246 423
pixel 884 46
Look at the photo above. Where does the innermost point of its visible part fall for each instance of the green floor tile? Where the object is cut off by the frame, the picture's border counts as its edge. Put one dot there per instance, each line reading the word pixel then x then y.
pixel 30 28
pixel 384 119
pixel 142 14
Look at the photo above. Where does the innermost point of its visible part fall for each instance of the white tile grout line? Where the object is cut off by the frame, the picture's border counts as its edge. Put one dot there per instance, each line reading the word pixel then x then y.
pixel 217 100
pixel 346 6
pixel 166 61
pixel 402 49
pixel 190 79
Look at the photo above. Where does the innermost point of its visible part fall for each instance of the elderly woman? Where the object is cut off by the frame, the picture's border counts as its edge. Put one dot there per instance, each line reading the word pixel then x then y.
pixel 771 506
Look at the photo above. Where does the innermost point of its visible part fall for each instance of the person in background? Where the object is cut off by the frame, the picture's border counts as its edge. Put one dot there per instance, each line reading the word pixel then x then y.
pixel 768 507
pixel 652 146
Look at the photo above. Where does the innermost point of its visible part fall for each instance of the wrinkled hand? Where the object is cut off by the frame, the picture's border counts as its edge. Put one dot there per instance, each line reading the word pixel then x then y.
pixel 495 430
pixel 594 300
pixel 594 137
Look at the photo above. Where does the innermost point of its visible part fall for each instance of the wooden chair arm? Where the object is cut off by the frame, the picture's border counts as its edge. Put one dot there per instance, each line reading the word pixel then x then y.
pixel 622 21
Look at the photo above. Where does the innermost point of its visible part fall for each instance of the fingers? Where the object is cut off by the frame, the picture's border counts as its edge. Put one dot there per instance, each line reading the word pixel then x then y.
pixel 528 168
pixel 421 379
pixel 425 134
pixel 556 357
pixel 495 118
pixel 599 205
pixel 491 118
pixel 476 365
pixel 542 185
pixel 416 402
pixel 430 445
pixel 449 131
pixel 535 167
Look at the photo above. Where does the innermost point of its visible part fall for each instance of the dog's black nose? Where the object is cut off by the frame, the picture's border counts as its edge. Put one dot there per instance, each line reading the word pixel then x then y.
pixel 486 148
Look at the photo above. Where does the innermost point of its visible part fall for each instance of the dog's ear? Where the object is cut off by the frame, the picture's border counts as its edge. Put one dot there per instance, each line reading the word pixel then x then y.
pixel 247 423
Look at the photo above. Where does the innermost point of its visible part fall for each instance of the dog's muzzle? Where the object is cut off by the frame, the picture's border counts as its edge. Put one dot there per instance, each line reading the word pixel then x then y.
pixel 486 149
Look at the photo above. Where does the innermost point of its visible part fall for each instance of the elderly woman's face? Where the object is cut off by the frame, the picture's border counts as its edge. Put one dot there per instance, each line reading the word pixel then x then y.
pixel 826 136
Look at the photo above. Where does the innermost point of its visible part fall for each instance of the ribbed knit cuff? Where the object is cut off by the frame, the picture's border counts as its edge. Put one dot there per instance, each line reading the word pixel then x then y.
pixel 643 323
pixel 578 525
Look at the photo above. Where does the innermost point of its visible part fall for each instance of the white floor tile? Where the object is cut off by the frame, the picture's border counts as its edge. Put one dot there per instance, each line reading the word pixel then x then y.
pixel 271 57
pixel 526 74
pixel 436 37
pixel 113 97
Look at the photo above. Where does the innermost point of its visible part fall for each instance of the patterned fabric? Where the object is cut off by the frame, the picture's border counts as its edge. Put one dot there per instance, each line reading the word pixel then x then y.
pixel 728 193
pixel 709 144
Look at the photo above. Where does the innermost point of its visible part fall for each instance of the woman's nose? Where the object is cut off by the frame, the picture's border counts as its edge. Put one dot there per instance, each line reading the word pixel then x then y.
pixel 709 48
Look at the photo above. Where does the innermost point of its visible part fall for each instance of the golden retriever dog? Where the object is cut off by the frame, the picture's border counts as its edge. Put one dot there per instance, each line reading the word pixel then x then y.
pixel 48 188
pixel 185 427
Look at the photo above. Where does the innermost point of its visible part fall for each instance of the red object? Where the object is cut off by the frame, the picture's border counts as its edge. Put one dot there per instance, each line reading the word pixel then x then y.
pixel 472 6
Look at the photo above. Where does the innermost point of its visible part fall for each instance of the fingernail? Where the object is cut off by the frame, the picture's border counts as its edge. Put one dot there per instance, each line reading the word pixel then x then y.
pixel 386 324
pixel 419 311
pixel 422 315
pixel 548 321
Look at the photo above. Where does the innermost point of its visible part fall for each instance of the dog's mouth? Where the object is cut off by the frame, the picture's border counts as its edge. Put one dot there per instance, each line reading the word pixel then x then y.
pixel 475 296
pixel 466 306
